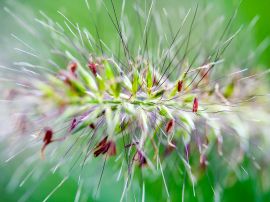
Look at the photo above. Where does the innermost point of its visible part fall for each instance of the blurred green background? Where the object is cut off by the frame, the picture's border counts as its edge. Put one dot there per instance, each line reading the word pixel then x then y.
pixel 247 190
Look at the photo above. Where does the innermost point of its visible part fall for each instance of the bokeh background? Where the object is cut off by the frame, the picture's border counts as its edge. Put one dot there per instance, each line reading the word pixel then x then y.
pixel 247 190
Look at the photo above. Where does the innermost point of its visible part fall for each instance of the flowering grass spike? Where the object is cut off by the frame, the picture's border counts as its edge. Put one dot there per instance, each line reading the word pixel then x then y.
pixel 155 102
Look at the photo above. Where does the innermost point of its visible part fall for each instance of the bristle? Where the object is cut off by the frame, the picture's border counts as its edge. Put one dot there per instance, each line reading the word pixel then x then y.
pixel 160 98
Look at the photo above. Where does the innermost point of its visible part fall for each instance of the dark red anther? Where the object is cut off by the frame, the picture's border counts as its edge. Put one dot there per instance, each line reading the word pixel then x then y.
pixel 91 125
pixel 195 105
pixel 140 158
pixel 179 86
pixel 73 124
pixel 104 147
pixel 170 126
pixel 102 142
pixel 47 139
pixel 93 67
pixel 48 136
pixel 73 67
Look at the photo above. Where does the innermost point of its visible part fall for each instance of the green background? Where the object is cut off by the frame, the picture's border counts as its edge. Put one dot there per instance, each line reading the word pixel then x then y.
pixel 247 190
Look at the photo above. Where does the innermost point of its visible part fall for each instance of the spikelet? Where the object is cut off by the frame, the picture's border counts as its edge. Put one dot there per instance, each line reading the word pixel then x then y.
pixel 155 100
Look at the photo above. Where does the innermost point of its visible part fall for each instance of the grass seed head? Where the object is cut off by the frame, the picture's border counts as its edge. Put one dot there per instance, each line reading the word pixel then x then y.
pixel 161 98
